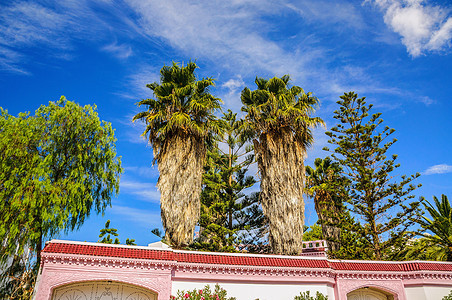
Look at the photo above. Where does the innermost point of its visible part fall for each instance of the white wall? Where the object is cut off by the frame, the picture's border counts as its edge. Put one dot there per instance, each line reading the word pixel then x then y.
pixel 426 292
pixel 267 291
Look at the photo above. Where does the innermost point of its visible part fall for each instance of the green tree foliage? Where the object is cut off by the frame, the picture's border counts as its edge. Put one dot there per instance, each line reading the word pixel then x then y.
pixel 376 199
pixel 421 249
pixel 307 296
pixel 448 297
pixel 130 242
pixel 328 188
pixel 205 294
pixel 179 121
pixel 279 123
pixel 56 166
pixel 228 216
pixel 313 233
pixel 104 236
pixel 438 245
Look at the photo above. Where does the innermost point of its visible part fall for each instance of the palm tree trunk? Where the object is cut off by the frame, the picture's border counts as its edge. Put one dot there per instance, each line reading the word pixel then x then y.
pixel 281 164
pixel 180 165
pixel 329 217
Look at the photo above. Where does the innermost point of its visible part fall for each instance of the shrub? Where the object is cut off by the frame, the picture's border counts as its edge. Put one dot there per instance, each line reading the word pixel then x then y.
pixel 448 297
pixel 204 294
pixel 307 296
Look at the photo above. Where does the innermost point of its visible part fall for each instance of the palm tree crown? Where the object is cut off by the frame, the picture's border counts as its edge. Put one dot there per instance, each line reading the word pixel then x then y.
pixel 441 226
pixel 274 106
pixel 183 105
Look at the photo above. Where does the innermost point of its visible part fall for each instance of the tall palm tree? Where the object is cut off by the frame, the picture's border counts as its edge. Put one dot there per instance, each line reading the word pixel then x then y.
pixel 179 121
pixel 325 184
pixel 441 226
pixel 278 120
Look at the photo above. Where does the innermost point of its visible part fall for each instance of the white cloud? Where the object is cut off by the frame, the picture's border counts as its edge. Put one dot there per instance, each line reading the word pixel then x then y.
pixel 120 51
pixel 143 217
pixel 234 84
pixel 52 27
pixel 26 24
pixel 234 36
pixel 329 12
pixel 148 172
pixel 438 169
pixel 137 82
pixel 320 141
pixel 426 100
pixel 423 27
pixel 442 36
pixel 146 191
pixel 231 34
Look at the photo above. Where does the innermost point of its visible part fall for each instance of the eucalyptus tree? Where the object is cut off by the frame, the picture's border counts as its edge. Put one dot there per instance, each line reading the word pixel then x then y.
pixel 278 120
pixel 179 122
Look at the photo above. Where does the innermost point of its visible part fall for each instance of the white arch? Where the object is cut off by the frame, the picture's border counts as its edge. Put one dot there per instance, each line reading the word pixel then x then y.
pixel 102 290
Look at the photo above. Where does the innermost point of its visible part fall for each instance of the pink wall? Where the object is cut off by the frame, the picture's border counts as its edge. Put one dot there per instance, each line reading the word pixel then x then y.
pixel 157 275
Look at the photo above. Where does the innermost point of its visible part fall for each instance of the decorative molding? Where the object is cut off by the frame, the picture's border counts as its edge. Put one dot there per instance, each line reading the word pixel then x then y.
pixel 394 287
pixel 251 273
pixel 106 261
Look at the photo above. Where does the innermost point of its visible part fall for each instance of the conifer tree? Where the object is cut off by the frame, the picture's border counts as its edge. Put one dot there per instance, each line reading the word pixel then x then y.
pixel 382 205
pixel 104 236
pixel 226 212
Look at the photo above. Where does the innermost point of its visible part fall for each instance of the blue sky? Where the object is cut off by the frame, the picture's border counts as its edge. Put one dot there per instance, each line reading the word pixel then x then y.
pixel 397 53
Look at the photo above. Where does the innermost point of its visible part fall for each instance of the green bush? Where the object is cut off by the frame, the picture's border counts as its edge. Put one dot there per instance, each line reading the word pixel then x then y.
pixel 448 297
pixel 307 296
pixel 204 294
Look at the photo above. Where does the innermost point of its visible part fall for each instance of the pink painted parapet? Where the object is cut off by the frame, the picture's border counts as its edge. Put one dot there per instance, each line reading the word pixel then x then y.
pixel 65 262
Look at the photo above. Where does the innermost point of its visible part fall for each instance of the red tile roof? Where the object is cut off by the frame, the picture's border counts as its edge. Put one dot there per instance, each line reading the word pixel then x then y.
pixel 249 260
pixel 241 259
pixel 101 250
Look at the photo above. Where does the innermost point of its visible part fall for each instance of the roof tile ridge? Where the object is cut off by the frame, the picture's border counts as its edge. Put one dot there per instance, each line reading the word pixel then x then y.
pixel 432 262
pixel 95 244
pixel 248 255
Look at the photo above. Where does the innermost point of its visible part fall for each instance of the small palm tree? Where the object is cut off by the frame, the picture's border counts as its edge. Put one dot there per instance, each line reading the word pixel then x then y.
pixel 440 226
pixel 279 123
pixel 179 121
pixel 325 184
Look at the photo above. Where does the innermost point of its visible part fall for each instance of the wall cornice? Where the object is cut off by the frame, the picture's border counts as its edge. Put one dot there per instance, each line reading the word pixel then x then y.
pixel 105 261
pixel 189 271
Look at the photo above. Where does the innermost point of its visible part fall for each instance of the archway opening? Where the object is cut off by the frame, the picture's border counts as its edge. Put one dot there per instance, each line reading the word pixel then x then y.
pixel 369 293
pixel 102 290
